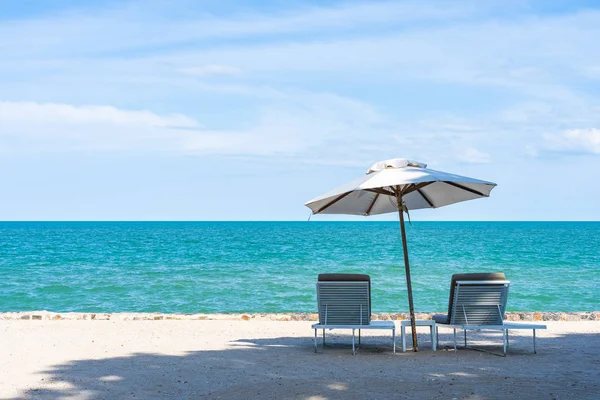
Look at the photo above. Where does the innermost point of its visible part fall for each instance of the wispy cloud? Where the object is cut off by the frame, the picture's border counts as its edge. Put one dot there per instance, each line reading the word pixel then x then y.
pixel 48 127
pixel 506 80
pixel 340 83
pixel 586 141
pixel 471 155
pixel 24 112
pixel 206 70
pixel 133 25
pixel 307 123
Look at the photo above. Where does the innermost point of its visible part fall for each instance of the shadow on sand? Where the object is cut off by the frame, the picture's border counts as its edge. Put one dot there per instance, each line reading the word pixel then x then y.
pixel 288 368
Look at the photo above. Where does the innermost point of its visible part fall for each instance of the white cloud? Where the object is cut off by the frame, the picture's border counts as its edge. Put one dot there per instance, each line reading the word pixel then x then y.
pixel 212 69
pixel 15 112
pixel 471 155
pixel 306 121
pixel 307 127
pixel 531 151
pixel 50 127
pixel 591 71
pixel 479 53
pixel 354 48
pixel 575 140
pixel 451 47
pixel 298 124
pixel 527 112
pixel 133 24
pixel 452 127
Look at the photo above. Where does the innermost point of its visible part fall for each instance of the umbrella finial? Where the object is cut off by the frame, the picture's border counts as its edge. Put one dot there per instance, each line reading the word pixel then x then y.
pixel 395 163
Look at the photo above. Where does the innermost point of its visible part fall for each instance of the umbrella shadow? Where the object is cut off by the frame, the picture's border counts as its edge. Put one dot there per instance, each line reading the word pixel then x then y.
pixel 288 368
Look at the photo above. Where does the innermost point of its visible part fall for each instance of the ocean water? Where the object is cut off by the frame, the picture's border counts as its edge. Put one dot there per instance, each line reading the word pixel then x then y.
pixel 192 267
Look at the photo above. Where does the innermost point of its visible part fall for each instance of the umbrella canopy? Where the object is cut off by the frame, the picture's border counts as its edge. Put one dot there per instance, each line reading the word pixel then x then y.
pixel 399 185
pixel 375 193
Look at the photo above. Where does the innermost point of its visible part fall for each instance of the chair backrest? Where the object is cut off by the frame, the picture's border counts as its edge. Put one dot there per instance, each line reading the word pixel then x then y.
pixel 344 299
pixel 479 302
pixel 478 276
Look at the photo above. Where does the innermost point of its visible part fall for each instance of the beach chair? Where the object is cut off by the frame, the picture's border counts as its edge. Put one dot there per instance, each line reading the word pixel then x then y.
pixel 478 302
pixel 344 302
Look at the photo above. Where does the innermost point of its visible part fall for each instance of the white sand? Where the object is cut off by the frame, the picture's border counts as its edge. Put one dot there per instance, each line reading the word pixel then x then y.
pixel 275 360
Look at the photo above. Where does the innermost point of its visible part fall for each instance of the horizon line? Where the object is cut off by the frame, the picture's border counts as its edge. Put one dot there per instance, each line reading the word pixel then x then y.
pixel 282 220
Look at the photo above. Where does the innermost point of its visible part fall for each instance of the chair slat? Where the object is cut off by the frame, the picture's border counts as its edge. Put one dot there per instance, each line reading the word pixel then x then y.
pixel 479 303
pixel 343 303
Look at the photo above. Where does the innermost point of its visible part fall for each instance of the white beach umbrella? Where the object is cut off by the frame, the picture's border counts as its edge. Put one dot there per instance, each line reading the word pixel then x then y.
pixel 399 185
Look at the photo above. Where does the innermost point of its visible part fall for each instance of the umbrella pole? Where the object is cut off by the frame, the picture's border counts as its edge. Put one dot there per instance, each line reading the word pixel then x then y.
pixel 407 268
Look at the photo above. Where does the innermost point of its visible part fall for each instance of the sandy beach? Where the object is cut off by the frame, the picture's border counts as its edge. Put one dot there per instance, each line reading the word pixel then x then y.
pixel 276 360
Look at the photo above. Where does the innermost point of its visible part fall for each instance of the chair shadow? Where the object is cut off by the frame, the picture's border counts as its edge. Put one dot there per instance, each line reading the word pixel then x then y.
pixel 288 368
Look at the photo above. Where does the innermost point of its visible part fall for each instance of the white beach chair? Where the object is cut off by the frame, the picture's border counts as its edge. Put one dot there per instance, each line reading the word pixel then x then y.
pixel 344 302
pixel 478 302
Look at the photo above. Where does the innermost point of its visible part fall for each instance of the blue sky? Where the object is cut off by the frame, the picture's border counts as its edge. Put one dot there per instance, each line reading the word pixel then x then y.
pixel 225 110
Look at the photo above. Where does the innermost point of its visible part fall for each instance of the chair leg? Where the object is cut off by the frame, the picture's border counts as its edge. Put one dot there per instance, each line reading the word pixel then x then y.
pixel 534 351
pixel 431 335
pixel 434 337
pixel 394 339
pixel 403 334
pixel 323 337
pixel 315 340
pixel 353 348
pixel 465 331
pixel 505 339
pixel 359 337
pixel 455 340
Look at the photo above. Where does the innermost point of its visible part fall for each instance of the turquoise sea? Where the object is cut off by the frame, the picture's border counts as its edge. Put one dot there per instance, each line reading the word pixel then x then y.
pixel 192 267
